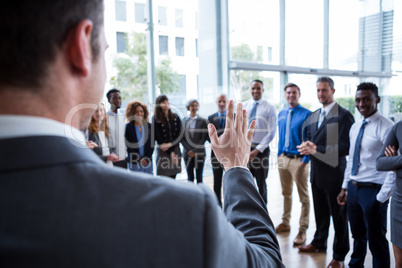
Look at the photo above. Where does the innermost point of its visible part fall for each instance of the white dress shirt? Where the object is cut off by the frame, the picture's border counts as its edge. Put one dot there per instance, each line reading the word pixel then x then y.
pixel 117 129
pixel 266 119
pixel 374 136
pixel 327 108
pixel 16 126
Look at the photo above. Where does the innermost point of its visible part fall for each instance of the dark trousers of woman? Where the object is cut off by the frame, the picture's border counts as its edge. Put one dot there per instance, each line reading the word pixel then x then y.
pixel 196 163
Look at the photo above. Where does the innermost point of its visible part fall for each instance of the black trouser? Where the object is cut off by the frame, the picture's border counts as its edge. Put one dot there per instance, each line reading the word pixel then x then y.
pixel 325 206
pixel 217 169
pixel 196 163
pixel 259 167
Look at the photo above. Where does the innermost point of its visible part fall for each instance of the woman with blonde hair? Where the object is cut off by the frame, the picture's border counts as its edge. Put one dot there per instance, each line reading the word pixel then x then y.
pixel 138 138
pixel 98 133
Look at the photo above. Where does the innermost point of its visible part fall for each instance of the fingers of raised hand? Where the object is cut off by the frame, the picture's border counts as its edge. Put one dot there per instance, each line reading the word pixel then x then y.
pixel 230 115
pixel 213 135
pixel 239 118
pixel 245 121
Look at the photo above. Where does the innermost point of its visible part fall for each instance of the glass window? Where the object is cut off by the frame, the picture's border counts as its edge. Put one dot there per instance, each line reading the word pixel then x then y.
pixel 343 37
pixel 196 47
pixel 121 39
pixel 253 26
pixel 269 54
pixel 179 17
pixel 162 17
pixel 139 13
pixel 163 45
pixel 304 33
pixel 179 46
pixel 120 10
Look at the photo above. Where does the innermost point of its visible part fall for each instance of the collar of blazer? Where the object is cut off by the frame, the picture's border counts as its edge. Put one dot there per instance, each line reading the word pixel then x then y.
pixel 332 116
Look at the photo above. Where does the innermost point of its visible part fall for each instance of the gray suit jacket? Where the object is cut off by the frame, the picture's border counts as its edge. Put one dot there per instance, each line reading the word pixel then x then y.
pixel 66 208
pixel 196 142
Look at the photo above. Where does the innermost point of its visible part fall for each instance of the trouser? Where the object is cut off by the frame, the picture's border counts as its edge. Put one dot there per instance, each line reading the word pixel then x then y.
pixel 325 206
pixel 289 171
pixel 217 169
pixel 196 163
pixel 259 167
pixel 368 221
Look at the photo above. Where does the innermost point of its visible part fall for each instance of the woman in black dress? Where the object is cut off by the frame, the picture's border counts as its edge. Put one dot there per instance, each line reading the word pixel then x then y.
pixel 167 129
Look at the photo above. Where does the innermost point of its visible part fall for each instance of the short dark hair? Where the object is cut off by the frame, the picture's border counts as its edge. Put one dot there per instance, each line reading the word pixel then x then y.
pixel 368 86
pixel 291 85
pixel 110 92
pixel 326 79
pixel 32 31
pixel 190 102
pixel 259 81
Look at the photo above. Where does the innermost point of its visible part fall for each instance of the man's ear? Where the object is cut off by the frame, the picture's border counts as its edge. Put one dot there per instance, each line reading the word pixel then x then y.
pixel 79 47
pixel 378 99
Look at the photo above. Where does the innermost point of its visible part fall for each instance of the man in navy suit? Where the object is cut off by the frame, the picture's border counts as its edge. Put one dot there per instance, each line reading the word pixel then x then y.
pixel 61 206
pixel 328 144
pixel 218 120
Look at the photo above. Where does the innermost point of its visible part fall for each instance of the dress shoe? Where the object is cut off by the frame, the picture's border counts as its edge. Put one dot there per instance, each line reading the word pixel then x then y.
pixel 300 238
pixel 310 248
pixel 281 228
pixel 336 264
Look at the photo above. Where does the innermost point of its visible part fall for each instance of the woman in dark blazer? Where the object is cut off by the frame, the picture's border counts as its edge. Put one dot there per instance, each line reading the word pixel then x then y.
pixel 139 142
pixel 386 161
pixel 195 135
pixel 98 133
pixel 167 128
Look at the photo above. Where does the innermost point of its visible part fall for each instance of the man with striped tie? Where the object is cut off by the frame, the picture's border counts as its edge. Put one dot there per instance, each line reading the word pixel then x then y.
pixel 265 116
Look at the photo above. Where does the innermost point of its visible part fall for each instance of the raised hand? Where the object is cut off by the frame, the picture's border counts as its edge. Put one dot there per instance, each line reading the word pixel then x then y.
pixel 232 148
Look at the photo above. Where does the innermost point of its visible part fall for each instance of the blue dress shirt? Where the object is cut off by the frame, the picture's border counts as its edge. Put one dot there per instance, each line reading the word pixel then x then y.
pixel 140 140
pixel 297 132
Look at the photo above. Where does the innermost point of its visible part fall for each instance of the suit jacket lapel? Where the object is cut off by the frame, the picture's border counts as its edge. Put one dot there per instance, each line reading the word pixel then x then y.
pixel 332 115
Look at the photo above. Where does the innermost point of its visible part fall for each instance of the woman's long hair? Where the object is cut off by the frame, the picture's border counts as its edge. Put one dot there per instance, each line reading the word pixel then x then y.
pixel 130 111
pixel 103 126
pixel 159 115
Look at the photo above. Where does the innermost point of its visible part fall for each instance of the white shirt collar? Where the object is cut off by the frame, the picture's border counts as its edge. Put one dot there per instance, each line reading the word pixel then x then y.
pixel 111 113
pixel 373 117
pixel 15 126
pixel 328 108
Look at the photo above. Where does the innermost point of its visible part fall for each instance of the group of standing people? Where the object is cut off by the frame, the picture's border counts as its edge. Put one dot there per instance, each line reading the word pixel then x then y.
pixel 323 138
pixel 354 189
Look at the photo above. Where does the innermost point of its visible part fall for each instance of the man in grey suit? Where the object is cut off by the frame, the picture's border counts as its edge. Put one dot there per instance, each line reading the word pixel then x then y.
pixel 61 206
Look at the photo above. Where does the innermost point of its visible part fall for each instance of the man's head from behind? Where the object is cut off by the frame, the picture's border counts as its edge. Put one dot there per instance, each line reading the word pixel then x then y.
pixel 53 44
pixel 32 32
pixel 367 98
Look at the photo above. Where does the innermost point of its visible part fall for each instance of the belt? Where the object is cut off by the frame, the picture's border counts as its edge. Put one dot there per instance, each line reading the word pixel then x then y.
pixel 366 185
pixel 293 156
